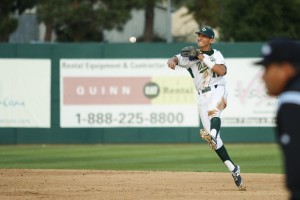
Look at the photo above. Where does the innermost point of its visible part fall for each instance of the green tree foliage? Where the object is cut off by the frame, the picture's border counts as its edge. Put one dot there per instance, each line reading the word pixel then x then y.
pixel 148 6
pixel 247 20
pixel 83 20
pixel 8 23
pixel 205 12
pixel 259 20
pixel 48 12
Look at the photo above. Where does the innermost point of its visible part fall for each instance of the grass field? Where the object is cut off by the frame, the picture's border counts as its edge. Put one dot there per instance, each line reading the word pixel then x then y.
pixel 253 158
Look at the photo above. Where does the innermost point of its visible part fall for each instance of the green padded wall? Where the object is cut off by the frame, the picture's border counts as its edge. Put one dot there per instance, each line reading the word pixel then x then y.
pixel 57 135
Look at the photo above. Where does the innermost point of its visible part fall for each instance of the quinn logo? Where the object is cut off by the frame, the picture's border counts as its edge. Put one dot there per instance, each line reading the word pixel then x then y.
pixel 151 90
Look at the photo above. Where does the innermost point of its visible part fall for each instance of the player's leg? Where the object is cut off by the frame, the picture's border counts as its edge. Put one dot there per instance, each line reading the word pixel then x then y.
pixel 217 104
pixel 213 124
pixel 205 121
pixel 210 106
pixel 202 109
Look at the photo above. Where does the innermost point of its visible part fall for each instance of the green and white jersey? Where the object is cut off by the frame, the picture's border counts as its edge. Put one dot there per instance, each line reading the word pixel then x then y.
pixel 203 76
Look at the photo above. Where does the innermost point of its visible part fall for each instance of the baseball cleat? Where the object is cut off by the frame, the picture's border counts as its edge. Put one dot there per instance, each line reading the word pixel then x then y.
pixel 209 139
pixel 237 177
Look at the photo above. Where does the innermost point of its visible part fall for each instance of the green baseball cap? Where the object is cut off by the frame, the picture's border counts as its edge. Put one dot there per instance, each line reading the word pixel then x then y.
pixel 206 30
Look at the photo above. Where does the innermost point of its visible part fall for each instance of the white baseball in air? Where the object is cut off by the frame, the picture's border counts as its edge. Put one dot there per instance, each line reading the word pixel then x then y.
pixel 132 39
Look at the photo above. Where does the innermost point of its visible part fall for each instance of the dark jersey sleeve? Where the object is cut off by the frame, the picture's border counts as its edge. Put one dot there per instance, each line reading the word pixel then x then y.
pixel 288 132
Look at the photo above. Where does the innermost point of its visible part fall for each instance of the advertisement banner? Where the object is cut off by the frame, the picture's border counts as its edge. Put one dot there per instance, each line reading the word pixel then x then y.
pixel 248 104
pixel 25 93
pixel 125 93
pixel 146 93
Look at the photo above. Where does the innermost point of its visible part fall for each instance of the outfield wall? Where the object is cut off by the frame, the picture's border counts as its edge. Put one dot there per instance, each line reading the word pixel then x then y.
pixel 48 133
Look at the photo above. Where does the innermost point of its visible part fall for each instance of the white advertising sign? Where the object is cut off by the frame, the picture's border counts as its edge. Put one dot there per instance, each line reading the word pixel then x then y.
pixel 25 93
pixel 146 93
pixel 125 93
pixel 248 104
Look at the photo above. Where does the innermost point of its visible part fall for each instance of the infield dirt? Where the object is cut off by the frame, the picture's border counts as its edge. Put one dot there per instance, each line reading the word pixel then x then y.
pixel 140 185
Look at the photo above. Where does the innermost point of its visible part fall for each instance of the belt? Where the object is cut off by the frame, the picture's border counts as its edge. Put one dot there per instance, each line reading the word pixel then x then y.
pixel 206 89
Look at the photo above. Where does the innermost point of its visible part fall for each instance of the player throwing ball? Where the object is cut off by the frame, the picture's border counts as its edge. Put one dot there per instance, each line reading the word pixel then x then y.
pixel 207 69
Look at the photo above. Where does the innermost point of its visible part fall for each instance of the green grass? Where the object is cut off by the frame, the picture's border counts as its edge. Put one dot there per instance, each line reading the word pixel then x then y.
pixel 253 158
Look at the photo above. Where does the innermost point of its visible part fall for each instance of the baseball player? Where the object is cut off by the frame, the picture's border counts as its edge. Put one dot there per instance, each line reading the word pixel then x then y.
pixel 207 69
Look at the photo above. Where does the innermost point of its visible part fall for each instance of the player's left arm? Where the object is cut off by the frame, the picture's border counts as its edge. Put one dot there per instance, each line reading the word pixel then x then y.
pixel 219 69
pixel 218 66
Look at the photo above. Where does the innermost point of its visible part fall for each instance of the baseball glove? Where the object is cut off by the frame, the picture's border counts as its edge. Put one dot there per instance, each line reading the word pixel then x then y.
pixel 190 52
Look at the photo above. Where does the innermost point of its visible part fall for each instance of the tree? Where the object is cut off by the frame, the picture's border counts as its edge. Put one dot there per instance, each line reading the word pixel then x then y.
pixel 47 11
pixel 83 20
pixel 205 12
pixel 259 20
pixel 148 6
pixel 148 34
pixel 247 20
pixel 8 23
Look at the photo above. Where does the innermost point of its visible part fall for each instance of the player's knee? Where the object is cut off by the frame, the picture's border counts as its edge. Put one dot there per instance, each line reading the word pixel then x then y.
pixel 214 113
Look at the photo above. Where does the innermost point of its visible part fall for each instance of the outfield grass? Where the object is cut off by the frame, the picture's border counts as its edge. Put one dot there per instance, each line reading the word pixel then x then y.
pixel 254 158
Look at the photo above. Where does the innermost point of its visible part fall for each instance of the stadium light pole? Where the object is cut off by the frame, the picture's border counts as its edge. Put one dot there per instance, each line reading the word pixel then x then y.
pixel 169 22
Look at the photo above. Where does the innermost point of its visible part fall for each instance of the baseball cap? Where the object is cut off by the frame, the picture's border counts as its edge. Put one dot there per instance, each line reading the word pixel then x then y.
pixel 206 30
pixel 280 50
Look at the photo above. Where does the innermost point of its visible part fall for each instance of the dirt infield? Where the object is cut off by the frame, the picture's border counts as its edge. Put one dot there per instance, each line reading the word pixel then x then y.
pixel 141 185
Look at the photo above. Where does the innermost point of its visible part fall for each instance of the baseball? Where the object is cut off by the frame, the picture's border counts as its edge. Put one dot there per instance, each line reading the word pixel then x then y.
pixel 132 39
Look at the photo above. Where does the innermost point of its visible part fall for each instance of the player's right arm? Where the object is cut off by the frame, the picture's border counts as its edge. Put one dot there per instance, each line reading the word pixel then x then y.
pixel 172 62
pixel 180 61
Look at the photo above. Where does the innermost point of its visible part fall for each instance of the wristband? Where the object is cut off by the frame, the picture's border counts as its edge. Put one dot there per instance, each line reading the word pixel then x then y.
pixel 208 62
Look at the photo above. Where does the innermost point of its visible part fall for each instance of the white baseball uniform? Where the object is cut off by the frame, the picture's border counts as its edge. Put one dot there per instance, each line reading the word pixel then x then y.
pixel 212 95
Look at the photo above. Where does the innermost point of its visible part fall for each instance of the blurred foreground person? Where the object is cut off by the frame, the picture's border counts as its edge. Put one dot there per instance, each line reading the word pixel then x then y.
pixel 281 61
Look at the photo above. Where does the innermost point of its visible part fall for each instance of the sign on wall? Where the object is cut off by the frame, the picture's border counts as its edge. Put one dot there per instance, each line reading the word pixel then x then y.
pixel 25 93
pixel 125 93
pixel 248 104
pixel 146 93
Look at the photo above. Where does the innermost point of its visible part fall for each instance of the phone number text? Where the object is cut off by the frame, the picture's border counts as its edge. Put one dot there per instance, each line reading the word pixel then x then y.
pixel 130 118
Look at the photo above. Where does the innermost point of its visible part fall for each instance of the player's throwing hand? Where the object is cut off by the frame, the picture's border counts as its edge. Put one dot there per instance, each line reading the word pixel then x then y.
pixel 172 62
